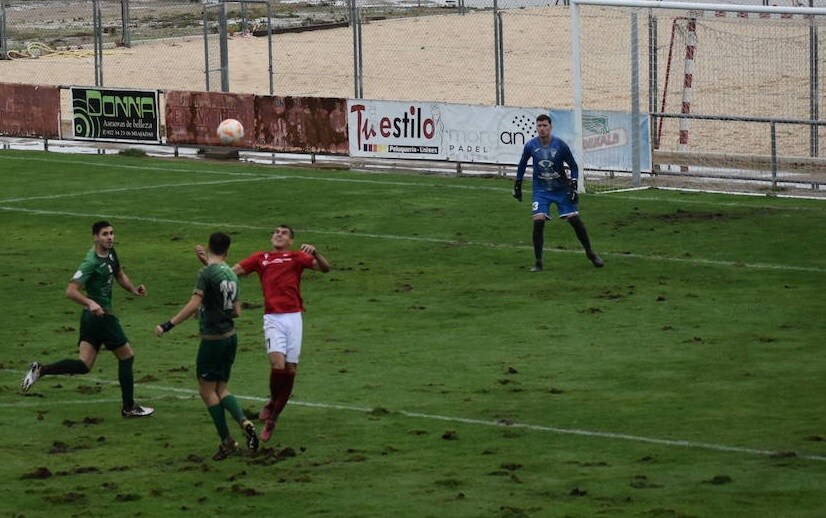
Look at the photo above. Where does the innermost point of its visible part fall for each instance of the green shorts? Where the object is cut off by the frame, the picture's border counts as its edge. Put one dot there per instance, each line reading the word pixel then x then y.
pixel 103 330
pixel 215 358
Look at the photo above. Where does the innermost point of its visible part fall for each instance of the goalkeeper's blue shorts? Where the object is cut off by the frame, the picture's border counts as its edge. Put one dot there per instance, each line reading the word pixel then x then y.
pixel 542 201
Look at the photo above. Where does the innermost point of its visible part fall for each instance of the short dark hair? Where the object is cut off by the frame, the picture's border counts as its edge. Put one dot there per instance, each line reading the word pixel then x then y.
pixel 219 243
pixel 292 232
pixel 544 117
pixel 98 226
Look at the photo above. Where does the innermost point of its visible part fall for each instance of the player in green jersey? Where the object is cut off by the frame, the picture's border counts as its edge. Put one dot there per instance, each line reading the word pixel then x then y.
pixel 215 298
pixel 98 324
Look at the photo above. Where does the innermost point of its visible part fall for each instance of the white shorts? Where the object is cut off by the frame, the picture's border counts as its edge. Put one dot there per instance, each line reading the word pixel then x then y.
pixel 282 334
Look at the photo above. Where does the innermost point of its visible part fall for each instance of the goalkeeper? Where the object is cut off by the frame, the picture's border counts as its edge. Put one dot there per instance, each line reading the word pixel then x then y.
pixel 551 185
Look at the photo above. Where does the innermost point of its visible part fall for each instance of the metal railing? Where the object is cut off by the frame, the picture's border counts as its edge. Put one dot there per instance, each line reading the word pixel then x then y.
pixel 752 161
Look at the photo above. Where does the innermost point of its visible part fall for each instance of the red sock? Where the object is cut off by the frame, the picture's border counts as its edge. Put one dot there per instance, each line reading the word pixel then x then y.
pixel 281 387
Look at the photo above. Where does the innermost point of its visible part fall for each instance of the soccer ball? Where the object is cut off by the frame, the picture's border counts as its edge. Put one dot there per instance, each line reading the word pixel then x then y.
pixel 230 131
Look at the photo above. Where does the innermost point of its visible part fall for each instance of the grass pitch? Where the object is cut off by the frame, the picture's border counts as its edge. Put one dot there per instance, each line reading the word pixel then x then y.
pixel 439 377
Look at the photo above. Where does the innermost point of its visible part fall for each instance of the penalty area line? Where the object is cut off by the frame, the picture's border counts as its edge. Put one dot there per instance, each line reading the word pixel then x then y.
pixel 677 443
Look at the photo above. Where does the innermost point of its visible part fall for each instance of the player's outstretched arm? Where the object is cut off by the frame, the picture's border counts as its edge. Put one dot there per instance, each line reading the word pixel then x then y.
pixel 189 309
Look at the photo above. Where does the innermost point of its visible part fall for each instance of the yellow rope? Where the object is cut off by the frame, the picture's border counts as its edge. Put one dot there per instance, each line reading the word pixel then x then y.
pixel 37 49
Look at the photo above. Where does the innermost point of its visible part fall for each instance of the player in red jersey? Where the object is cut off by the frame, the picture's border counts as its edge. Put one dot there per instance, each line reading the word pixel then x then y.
pixel 279 271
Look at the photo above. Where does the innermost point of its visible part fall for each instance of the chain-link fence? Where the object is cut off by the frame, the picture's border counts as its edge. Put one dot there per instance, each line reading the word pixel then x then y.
pixel 487 52
pixel 164 44
pixel 435 50
pixel 430 50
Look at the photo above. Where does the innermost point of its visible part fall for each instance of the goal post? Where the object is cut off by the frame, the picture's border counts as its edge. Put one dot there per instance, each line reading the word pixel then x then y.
pixel 725 83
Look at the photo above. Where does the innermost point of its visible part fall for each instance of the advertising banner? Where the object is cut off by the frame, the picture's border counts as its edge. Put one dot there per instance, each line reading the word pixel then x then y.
pixel 439 131
pixel 301 124
pixel 485 134
pixel 606 138
pixel 105 114
pixel 29 110
pixel 488 134
pixel 390 129
pixel 193 117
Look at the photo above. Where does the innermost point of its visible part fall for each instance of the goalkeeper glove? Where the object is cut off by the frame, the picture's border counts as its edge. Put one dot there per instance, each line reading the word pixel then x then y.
pixel 574 195
pixel 517 190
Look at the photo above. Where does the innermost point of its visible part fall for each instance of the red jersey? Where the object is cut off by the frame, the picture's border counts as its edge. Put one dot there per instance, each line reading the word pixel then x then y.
pixel 280 276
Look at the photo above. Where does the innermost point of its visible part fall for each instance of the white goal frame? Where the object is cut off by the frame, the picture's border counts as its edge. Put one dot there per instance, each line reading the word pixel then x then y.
pixel 634 109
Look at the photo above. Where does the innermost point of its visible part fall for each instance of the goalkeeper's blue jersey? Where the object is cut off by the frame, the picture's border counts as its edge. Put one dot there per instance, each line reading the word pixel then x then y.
pixel 548 164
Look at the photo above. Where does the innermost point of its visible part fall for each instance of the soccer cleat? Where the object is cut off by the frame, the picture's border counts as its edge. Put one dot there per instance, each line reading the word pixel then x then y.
pixel 597 260
pixel 266 412
pixel 137 411
pixel 31 376
pixel 250 435
pixel 227 447
pixel 266 433
pixel 536 268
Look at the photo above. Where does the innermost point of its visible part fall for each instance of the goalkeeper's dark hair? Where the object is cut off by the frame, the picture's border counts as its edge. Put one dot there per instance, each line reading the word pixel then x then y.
pixel 544 117
pixel 98 226
pixel 219 243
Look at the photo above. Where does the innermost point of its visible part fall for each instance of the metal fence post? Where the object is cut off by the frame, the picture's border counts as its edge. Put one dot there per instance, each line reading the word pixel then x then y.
pixel 653 84
pixel 358 67
pixel 205 14
pixel 223 45
pixel 270 67
pixel 126 39
pixel 773 138
pixel 97 23
pixel 499 50
pixel 636 159
pixel 4 40
pixel 814 87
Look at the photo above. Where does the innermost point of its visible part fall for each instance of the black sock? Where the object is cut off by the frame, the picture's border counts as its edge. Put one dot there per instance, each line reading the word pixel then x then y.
pixel 127 382
pixel 581 233
pixel 65 367
pixel 538 239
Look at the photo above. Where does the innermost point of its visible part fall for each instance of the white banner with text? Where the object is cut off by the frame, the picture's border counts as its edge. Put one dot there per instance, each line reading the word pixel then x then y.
pixel 483 134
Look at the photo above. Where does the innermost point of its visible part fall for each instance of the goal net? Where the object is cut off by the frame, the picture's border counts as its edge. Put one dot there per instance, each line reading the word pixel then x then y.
pixel 733 96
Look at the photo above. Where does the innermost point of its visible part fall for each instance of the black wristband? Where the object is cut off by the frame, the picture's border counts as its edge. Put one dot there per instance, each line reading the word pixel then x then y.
pixel 166 326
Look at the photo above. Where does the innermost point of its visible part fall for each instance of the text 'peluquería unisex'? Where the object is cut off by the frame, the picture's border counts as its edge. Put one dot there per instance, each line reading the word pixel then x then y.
pixel 426 150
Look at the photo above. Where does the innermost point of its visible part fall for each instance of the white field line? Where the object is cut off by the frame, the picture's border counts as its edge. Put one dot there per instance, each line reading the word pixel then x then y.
pixel 688 201
pixel 460 420
pixel 709 262
pixel 263 175
pixel 128 189
pixel 39 402
pixel 125 166
pixel 505 191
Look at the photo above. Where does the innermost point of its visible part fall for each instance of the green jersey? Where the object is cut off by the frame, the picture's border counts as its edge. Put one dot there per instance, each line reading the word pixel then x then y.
pixel 218 286
pixel 96 275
